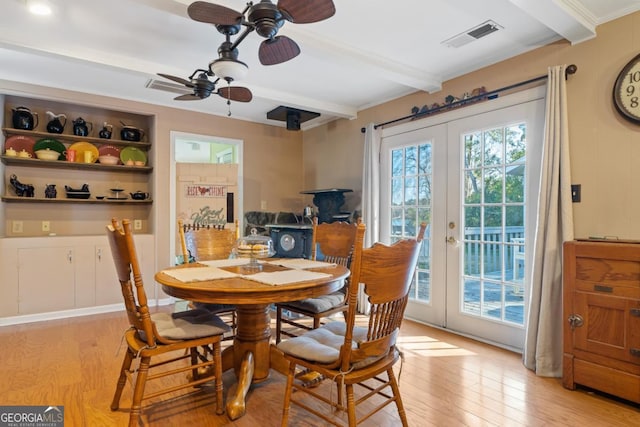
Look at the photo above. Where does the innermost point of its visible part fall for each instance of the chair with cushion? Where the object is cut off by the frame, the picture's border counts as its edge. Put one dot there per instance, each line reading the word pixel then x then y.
pixel 331 242
pixel 207 243
pixel 351 355
pixel 170 341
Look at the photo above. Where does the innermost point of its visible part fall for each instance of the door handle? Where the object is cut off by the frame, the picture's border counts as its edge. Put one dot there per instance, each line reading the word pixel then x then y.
pixel 451 240
pixel 575 321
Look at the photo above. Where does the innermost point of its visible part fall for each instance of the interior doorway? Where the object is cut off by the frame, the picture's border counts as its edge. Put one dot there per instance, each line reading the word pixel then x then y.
pixel 203 149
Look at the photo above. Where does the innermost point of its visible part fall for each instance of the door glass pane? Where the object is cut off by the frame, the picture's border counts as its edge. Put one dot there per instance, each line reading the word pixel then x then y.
pixel 396 163
pixel 396 188
pixel 411 159
pixel 493 223
pixel 411 196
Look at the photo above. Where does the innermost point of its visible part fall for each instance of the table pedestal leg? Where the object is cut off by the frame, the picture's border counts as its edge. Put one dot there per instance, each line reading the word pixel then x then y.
pixel 251 353
pixel 236 406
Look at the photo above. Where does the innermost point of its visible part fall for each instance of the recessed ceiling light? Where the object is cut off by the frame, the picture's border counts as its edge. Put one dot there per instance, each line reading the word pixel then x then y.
pixel 39 7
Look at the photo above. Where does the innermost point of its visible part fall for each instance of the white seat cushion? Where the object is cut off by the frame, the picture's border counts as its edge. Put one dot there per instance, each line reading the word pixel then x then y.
pixel 189 324
pixel 319 304
pixel 323 344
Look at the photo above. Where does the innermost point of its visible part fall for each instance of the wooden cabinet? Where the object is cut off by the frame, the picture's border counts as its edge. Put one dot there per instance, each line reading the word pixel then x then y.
pixel 601 310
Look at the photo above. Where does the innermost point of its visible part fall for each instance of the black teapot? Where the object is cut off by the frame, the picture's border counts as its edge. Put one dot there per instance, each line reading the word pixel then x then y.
pixel 130 133
pixel 139 195
pixel 55 125
pixel 82 128
pixel 23 118
pixel 105 133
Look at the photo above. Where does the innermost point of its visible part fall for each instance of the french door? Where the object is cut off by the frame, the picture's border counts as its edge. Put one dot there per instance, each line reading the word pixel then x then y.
pixel 471 179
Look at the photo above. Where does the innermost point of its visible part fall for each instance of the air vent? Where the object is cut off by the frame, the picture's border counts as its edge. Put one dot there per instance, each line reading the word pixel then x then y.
pixel 168 87
pixel 472 34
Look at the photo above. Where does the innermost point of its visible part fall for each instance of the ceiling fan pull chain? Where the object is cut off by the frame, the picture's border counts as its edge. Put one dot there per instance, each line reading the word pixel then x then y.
pixel 229 98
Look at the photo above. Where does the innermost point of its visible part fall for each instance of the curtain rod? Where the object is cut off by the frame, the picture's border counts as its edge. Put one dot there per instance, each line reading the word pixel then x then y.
pixel 571 69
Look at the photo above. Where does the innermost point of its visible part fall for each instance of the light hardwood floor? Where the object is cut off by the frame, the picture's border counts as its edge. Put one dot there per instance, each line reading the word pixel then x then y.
pixel 446 380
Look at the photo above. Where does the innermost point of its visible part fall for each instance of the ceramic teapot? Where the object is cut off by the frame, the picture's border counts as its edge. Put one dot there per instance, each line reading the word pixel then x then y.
pixel 105 133
pixel 81 127
pixel 139 195
pixel 131 133
pixel 23 118
pixel 55 125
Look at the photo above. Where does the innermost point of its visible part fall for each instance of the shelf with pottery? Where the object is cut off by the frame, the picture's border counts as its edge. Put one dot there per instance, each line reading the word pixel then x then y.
pixel 64 137
pixel 104 201
pixel 37 163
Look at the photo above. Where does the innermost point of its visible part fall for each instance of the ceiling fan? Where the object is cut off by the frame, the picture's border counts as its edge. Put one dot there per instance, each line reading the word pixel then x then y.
pixel 265 18
pixel 203 88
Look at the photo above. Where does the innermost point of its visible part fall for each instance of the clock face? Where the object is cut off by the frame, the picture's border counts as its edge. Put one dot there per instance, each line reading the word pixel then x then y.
pixel 287 242
pixel 626 92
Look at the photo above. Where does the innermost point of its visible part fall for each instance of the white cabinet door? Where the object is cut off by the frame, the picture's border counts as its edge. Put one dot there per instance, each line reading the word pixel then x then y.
pixel 107 286
pixel 46 279
pixel 108 289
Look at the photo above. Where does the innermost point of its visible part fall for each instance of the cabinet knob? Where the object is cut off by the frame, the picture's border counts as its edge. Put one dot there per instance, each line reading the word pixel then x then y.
pixel 575 321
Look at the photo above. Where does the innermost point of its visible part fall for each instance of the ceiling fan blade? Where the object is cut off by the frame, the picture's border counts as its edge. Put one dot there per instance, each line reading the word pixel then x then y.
pixel 277 50
pixel 306 12
pixel 176 79
pixel 187 97
pixel 236 93
pixel 202 11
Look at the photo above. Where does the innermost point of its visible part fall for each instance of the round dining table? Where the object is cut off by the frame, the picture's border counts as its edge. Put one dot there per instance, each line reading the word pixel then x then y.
pixel 251 355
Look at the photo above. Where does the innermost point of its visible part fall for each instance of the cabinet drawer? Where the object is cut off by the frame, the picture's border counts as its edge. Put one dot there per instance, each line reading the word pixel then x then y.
pixel 610 272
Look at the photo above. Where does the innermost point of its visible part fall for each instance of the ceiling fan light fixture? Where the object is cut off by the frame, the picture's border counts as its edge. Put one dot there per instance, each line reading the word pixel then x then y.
pixel 39 7
pixel 229 69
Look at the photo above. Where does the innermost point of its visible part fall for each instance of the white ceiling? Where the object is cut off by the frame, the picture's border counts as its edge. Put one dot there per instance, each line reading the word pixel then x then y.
pixel 369 52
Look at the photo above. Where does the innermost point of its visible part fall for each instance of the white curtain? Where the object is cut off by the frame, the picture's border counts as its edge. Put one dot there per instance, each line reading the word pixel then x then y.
pixel 370 194
pixel 543 342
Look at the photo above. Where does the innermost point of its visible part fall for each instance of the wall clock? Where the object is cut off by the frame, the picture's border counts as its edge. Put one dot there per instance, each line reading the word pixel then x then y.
pixel 626 91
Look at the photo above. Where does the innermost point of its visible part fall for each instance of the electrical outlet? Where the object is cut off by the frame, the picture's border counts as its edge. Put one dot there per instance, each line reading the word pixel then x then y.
pixel 16 227
pixel 263 205
pixel 46 226
pixel 137 224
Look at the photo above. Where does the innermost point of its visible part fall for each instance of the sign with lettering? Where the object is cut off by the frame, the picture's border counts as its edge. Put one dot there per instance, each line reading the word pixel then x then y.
pixel 32 416
pixel 205 190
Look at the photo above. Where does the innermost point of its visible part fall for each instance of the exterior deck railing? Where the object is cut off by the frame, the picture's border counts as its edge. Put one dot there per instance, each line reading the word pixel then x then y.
pixel 496 247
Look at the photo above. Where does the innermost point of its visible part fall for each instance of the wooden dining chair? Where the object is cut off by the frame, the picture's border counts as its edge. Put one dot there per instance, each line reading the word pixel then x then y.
pixel 330 242
pixel 206 243
pixel 351 355
pixel 161 342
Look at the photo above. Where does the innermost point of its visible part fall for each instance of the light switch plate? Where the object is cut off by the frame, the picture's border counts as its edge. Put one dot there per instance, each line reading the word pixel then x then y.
pixel 17 227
